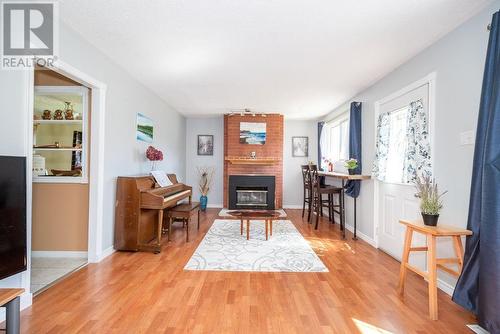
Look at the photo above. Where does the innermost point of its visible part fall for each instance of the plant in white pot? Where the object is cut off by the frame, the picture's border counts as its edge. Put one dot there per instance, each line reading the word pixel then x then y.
pixel 430 199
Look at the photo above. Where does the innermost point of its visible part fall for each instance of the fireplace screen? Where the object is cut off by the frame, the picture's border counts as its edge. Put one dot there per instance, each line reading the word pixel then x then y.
pixel 251 196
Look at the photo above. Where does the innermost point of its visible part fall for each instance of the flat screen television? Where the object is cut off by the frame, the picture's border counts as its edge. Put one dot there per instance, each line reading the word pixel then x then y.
pixel 12 215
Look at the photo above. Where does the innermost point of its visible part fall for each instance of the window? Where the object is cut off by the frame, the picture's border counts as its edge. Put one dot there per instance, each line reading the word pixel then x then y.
pixel 335 139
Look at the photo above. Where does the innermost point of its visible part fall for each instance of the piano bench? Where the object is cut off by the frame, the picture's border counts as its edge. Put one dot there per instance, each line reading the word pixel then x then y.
pixel 183 211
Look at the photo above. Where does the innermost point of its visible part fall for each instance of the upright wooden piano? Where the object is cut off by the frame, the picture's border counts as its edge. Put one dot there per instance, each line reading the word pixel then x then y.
pixel 139 211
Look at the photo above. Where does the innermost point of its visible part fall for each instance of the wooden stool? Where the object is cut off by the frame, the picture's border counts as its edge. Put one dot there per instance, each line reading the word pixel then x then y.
pixel 433 263
pixel 183 212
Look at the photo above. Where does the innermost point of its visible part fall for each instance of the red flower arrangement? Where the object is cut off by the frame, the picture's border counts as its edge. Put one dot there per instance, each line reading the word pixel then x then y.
pixel 154 154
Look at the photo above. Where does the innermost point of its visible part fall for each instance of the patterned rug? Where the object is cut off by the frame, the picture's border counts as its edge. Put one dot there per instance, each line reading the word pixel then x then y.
pixel 225 249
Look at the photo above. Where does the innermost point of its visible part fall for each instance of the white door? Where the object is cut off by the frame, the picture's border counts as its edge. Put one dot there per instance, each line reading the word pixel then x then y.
pixel 397 200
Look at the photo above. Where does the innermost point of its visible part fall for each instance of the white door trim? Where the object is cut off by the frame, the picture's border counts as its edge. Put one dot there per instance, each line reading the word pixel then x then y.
pixel 429 80
pixel 97 130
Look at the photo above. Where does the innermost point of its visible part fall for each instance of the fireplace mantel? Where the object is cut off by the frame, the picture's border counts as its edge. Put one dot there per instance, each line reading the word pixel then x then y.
pixel 253 161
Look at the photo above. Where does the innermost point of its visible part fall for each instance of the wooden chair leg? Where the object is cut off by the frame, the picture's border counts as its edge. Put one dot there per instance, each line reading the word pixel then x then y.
pixel 241 225
pixel 432 269
pixel 320 204
pixel 248 229
pixel 198 219
pixel 266 223
pixel 459 251
pixel 187 229
pixel 304 203
pixel 169 228
pixel 404 260
pixel 271 227
pixel 318 209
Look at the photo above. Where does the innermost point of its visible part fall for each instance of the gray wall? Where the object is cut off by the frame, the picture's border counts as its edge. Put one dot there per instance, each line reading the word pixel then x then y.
pixel 458 60
pixel 292 177
pixel 124 155
pixel 205 126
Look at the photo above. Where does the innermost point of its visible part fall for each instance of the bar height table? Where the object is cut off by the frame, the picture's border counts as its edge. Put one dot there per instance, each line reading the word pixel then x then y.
pixel 345 177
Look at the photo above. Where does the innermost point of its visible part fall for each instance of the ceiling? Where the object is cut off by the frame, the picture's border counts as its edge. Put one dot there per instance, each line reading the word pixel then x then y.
pixel 300 58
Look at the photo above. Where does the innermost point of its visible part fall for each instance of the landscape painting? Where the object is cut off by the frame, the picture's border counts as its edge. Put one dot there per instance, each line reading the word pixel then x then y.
pixel 144 128
pixel 252 133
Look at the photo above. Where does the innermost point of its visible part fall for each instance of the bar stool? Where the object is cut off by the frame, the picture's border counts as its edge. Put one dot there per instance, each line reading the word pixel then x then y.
pixel 307 189
pixel 317 197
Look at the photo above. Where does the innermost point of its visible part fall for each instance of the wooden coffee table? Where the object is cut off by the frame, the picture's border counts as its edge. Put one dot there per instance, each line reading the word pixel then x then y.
pixel 268 216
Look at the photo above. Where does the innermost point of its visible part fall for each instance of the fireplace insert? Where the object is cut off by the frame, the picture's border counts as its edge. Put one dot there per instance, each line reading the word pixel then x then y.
pixel 251 192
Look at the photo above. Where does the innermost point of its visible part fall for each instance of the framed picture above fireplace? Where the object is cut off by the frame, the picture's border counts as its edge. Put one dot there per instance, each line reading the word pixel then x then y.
pixel 252 133
pixel 300 146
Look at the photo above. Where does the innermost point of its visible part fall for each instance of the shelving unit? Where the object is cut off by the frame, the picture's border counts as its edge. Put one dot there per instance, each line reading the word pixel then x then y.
pixel 57 149
pixel 69 134
pixel 53 121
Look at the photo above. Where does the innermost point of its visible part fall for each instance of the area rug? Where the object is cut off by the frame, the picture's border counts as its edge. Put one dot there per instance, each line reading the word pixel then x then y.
pixel 224 249
pixel 223 213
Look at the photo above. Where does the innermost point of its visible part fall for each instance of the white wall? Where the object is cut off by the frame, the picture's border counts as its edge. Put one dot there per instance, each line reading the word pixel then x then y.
pixel 124 155
pixel 292 176
pixel 205 126
pixel 458 60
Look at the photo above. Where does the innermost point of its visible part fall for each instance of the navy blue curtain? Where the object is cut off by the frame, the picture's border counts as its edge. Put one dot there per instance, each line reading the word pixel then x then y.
pixel 352 188
pixel 320 154
pixel 478 288
pixel 322 180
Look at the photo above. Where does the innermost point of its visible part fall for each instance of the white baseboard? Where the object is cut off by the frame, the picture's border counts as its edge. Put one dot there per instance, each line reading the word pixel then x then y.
pixel 105 253
pixel 445 287
pixel 70 254
pixel 292 206
pixel 215 206
pixel 362 236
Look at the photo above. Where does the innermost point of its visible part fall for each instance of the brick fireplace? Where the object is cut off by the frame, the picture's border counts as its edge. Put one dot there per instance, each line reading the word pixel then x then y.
pixel 268 161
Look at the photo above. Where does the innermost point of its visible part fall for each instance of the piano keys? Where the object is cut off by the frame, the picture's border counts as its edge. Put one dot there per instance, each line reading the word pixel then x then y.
pixel 139 211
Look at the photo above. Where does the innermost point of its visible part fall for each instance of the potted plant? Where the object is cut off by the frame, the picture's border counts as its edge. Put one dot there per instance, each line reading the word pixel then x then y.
pixel 351 165
pixel 430 199
pixel 205 175
pixel 154 155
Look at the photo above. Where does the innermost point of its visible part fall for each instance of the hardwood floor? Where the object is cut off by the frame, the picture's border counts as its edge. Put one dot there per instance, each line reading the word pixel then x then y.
pixel 148 293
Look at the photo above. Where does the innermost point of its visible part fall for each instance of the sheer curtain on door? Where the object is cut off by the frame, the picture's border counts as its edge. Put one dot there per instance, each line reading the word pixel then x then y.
pixel 402 146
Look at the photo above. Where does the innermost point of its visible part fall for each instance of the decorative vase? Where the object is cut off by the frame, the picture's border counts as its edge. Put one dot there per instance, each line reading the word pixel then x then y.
pixel 203 203
pixel 153 165
pixel 430 220
pixel 351 171
pixel 68 111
